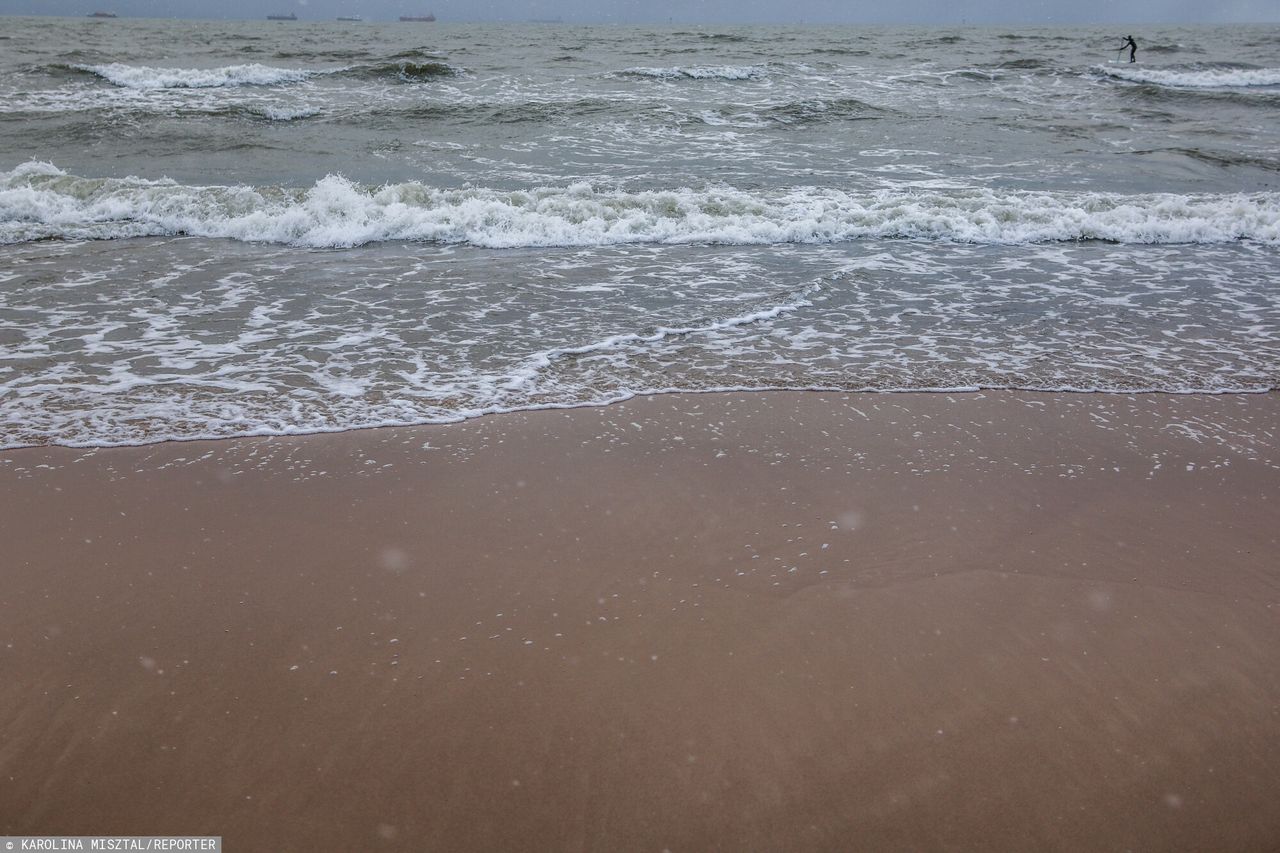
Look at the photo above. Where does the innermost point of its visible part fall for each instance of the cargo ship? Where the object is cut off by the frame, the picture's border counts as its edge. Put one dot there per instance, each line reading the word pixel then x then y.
pixel 103 15
pixel 289 17
pixel 350 18
pixel 415 19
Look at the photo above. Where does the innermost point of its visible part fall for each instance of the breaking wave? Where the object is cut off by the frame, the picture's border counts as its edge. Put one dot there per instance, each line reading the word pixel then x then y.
pixel 723 37
pixel 39 201
pixel 483 112
pixel 255 74
pixel 148 77
pixel 793 114
pixel 699 72
pixel 408 71
pixel 1197 76
pixel 273 113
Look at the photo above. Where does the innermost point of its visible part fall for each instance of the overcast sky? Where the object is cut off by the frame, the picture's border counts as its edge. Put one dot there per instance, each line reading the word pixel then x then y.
pixel 1009 12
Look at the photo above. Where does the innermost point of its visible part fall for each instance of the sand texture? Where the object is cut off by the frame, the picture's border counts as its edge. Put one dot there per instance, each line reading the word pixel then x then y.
pixel 770 621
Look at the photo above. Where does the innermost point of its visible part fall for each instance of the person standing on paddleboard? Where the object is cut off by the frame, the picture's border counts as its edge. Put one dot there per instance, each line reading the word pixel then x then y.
pixel 1133 48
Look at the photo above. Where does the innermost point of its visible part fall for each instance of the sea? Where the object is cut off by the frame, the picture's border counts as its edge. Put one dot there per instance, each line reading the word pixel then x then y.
pixel 244 228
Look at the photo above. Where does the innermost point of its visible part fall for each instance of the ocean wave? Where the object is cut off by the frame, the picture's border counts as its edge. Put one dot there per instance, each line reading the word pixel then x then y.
pixel 322 55
pixel 1219 159
pixel 1170 48
pixel 406 70
pixel 1195 77
pixel 793 114
pixel 842 51
pixel 39 201
pixel 723 37
pixel 1151 93
pixel 148 77
pixel 784 114
pixel 698 72
pixel 277 113
pixel 1018 64
pixel 480 112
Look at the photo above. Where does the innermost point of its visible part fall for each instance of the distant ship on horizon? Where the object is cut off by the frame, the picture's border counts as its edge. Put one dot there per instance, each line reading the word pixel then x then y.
pixel 421 19
pixel 103 15
pixel 350 18
pixel 289 17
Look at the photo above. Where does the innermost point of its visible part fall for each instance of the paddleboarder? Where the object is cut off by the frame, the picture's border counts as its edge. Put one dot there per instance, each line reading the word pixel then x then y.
pixel 1133 48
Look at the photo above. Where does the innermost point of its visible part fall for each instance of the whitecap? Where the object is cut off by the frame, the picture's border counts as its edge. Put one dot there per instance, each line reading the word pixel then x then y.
pixel 700 72
pixel 148 77
pixel 1197 78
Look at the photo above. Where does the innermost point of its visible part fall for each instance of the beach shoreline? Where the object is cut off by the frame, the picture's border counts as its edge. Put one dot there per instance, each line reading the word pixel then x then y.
pixel 993 620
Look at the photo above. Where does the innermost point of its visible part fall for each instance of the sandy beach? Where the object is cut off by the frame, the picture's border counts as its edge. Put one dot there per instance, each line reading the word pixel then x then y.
pixel 991 621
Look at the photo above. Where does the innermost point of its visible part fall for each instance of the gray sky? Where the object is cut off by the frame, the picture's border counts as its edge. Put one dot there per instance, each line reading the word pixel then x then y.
pixel 1009 12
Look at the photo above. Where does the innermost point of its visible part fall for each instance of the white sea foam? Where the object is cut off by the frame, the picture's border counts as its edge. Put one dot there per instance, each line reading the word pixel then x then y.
pixel 701 72
pixel 277 113
pixel 180 420
pixel 39 201
pixel 148 77
pixel 198 338
pixel 1199 78
pixel 523 377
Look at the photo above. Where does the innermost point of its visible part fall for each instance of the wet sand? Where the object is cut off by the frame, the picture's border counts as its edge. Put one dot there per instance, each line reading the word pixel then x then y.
pixel 772 621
